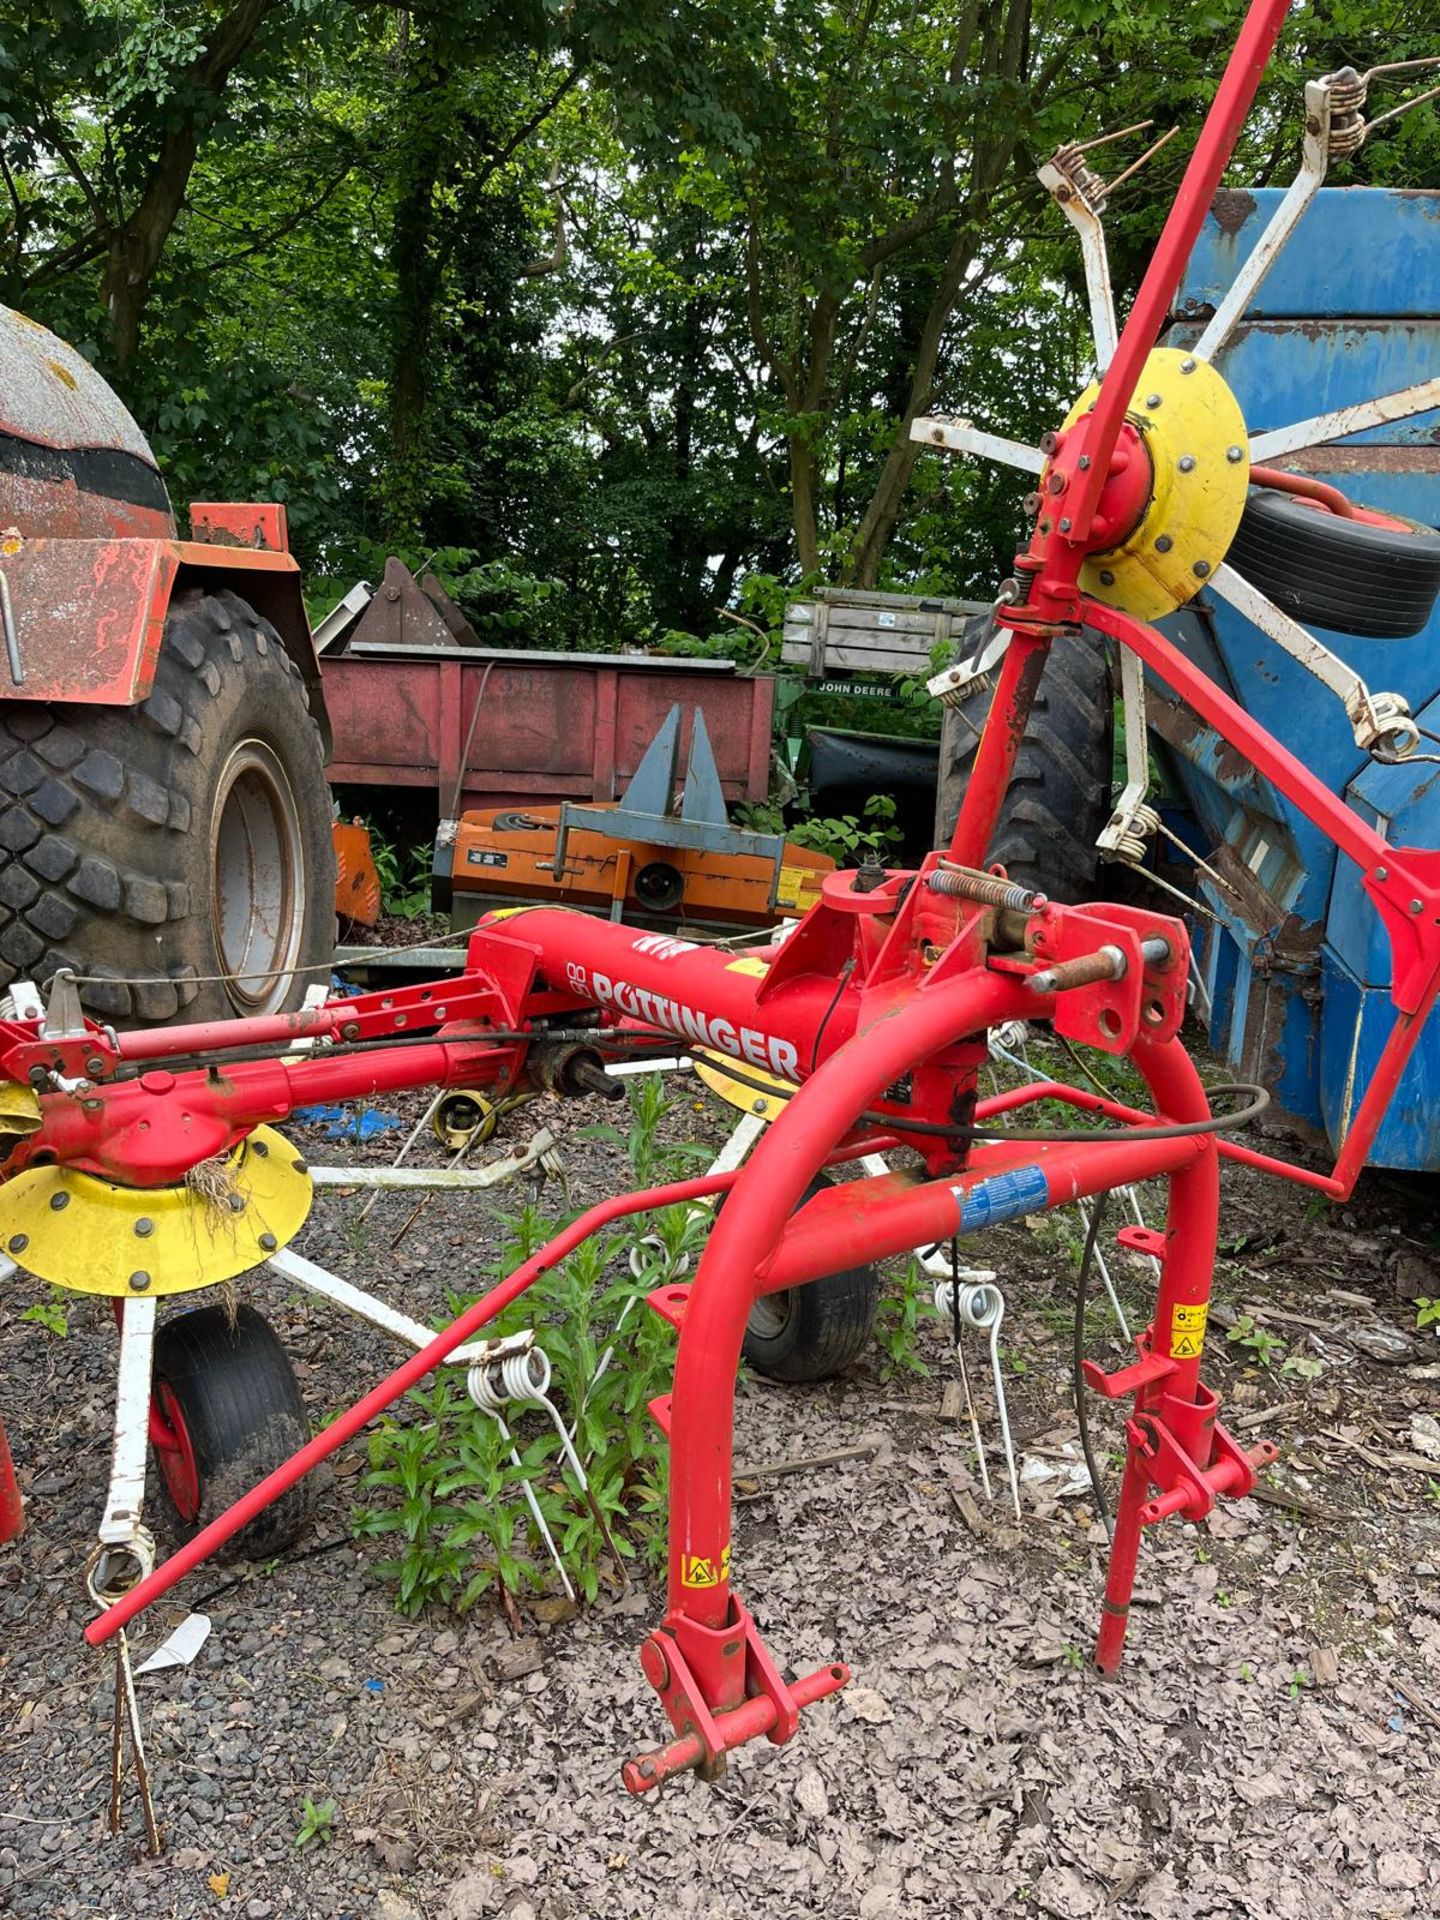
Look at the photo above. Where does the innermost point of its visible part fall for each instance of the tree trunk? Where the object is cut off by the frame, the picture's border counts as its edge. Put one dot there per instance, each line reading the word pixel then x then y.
pixel 415 266
pixel 135 248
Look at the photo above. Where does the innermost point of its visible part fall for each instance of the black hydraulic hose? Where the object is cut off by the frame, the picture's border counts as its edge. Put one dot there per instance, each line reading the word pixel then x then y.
pixel 1256 1103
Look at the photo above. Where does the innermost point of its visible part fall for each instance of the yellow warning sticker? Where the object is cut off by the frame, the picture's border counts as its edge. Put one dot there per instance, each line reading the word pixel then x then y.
pixel 749 965
pixel 699 1569
pixel 797 886
pixel 1187 1330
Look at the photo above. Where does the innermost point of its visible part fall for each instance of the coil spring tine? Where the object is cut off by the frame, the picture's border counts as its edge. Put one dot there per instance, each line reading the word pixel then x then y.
pixel 490 1386
pixel 523 1379
pixel 980 1304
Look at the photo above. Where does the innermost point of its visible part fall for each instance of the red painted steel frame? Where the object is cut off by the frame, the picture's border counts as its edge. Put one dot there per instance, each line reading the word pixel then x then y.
pixel 1182 228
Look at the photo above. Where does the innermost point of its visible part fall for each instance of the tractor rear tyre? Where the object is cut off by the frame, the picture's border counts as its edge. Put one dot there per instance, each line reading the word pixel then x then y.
pixel 176 855
pixel 1059 796
pixel 227 1411
pixel 815 1331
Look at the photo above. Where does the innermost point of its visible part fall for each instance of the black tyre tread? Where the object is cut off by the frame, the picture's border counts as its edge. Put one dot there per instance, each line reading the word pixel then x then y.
pixel 1059 796
pixel 829 1326
pixel 97 809
pixel 1346 576
pixel 245 1416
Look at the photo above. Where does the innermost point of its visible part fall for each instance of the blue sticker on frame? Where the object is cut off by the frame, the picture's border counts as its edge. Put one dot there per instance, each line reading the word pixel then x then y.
pixel 1004 1196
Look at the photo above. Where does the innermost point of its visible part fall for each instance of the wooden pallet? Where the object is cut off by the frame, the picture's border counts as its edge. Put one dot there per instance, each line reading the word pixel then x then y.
pixel 845 629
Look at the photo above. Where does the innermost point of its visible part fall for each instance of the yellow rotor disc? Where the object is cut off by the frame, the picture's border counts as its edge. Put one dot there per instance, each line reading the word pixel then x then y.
pixel 1194 433
pixel 87 1234
pixel 711 1069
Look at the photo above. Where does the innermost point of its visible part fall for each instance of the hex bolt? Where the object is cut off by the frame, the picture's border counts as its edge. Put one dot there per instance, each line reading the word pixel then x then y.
pixel 1234 455
pixel 268 1242
pixel 1187 365
pixel 18 1242
pixel 1107 579
pixel 1382 873
pixel 139 1281
pixel 1417 906
pixel 59 1201
pixel 350 1030
pixel 1200 569
pixel 757 1106
pixel 144 1228
pixel 1164 543
pixel 300 1166
pixel 94 1066
pixel 237 1203
pixel 1152 400
pixel 1186 463
pixel 1083 463
pixel 259 1149
pixel 1064 526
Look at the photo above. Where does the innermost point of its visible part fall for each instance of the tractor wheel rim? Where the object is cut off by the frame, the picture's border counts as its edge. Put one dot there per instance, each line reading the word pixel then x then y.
pixel 258 877
pixel 174 1452
pixel 770 1314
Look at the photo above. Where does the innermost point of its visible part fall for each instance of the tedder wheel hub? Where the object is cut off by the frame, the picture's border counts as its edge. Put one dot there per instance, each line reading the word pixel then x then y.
pixel 92 1236
pixel 1177 487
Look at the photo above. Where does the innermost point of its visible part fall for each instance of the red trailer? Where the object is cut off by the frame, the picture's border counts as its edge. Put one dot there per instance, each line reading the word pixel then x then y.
pixel 423 706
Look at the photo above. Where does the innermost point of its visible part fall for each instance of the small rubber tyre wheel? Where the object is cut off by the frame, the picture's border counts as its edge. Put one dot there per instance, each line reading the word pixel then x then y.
pixel 1059 795
pixel 226 1411
pixel 815 1331
pixel 151 848
pixel 1347 576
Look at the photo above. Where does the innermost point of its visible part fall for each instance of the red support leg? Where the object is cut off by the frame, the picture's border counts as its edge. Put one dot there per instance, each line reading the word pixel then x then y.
pixel 707 1661
pixel 1124 1557
pixel 12 1508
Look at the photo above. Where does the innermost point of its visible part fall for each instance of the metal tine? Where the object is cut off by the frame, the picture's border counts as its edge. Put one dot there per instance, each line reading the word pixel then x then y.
pixel 1106 139
pixel 1149 154
pixel 1403 66
pixel 1394 113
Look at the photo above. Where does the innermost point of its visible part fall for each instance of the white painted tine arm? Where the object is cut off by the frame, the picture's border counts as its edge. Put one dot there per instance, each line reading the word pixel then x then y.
pixel 1321 428
pixel 1381 722
pixel 1270 245
pixel 1087 223
pixel 958 436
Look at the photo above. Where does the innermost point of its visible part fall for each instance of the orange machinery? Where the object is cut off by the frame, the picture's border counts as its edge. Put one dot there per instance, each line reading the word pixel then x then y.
pixel 649 857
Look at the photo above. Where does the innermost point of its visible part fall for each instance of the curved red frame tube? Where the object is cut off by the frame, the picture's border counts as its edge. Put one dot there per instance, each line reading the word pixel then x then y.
pixel 742 1258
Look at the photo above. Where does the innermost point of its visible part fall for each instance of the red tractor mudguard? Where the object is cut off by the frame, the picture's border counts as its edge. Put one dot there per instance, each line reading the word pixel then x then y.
pixel 87 616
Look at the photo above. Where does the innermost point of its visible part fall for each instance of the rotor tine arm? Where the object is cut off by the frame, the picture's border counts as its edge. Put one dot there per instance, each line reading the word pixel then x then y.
pixel 958 436
pixel 1064 190
pixel 1137 753
pixel 1315 155
pixel 1321 428
pixel 1380 721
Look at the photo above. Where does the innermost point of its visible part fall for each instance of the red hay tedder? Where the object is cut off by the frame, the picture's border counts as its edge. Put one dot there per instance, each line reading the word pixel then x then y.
pixel 878 1007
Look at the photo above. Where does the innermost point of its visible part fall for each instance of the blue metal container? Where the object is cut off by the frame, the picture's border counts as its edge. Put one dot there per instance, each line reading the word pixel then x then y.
pixel 1296 962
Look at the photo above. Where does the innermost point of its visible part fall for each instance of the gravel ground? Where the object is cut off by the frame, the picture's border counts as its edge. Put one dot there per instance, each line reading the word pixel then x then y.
pixel 1267 1751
